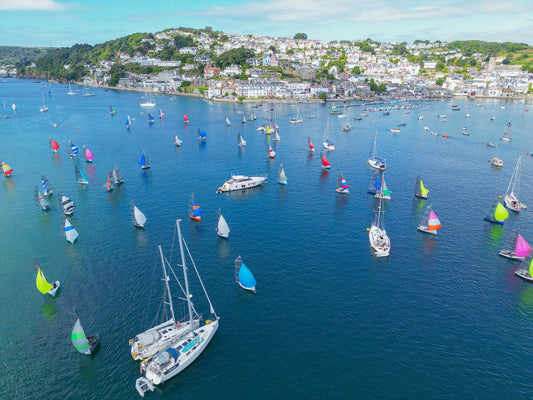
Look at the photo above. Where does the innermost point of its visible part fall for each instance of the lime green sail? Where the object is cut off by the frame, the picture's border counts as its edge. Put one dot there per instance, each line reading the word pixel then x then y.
pixel 531 268
pixel 423 190
pixel 42 284
pixel 500 213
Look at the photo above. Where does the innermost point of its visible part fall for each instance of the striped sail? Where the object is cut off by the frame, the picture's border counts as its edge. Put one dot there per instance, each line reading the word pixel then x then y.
pixel 69 231
pixel 7 169
pixel 433 221
pixel 79 340
pixel 73 149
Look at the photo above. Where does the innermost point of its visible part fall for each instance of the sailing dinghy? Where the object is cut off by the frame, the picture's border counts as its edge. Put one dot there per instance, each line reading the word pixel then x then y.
pixel 222 226
pixel 326 143
pixel 497 213
pixel 112 110
pixel 54 146
pixel 159 337
pixel 271 152
pixel 66 206
pixel 511 198
pixel 73 149
pixel 89 157
pixel 228 122
pixel 342 186
pixel 311 147
pixel 177 140
pixel 525 270
pixel 82 343
pixel 516 247
pixel 80 178
pixel 185 118
pixel 144 162
pixel 150 118
pixel 46 189
pixel 40 200
pixel 182 352
pixel 325 163
pixel 420 190
pixel 201 135
pixel 137 217
pixel 243 276
pixel 383 192
pixel 430 222
pixel 7 169
pixel 108 185
pixel 42 284
pixel 195 212
pixel 128 122
pixel 282 178
pixel 375 183
pixel 240 140
pixel 68 231
pixel 118 179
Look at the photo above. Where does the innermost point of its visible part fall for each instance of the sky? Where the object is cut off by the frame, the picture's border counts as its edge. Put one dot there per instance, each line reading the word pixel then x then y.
pixel 61 23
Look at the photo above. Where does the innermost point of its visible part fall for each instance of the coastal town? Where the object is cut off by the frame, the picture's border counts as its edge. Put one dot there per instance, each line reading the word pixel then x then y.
pixel 182 61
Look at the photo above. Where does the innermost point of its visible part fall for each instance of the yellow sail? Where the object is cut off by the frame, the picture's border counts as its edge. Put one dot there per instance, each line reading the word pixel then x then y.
pixel 42 283
pixel 423 190
pixel 500 213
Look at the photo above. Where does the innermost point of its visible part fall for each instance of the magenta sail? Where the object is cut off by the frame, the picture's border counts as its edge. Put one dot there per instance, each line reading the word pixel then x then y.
pixel 522 248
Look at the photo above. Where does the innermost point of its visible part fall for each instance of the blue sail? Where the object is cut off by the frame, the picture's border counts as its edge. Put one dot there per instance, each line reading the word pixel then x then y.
pixel 74 149
pixel 142 161
pixel 128 122
pixel 150 117
pixel 201 133
pixel 196 210
pixel 45 186
pixel 246 279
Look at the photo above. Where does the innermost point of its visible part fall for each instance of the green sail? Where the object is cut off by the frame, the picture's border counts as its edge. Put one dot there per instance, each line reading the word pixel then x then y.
pixel 423 190
pixel 500 213
pixel 531 268
pixel 79 340
pixel 42 283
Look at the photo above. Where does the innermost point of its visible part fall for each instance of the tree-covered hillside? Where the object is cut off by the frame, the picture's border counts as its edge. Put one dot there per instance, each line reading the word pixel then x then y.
pixel 13 55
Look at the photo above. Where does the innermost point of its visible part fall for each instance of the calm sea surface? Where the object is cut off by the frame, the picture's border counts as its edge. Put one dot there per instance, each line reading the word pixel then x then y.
pixel 442 317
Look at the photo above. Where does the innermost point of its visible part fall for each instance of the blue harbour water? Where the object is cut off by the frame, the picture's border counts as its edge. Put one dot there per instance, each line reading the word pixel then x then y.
pixel 442 317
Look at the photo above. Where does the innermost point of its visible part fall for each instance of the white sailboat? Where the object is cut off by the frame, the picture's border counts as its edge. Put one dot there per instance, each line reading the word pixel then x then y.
pixel 373 161
pixel 153 340
pixel 240 140
pixel 118 179
pixel 80 178
pixel 184 351
pixel 228 122
pixel 297 119
pixel 328 145
pixel 82 343
pixel 43 108
pixel 40 200
pixel 383 192
pixel 377 235
pixel 511 196
pixel 137 217
pixel 70 91
pixel 68 231
pixel 430 222
pixel 177 140
pixel 66 205
pixel 149 100
pixel 243 118
pixel 282 178
pixel 222 226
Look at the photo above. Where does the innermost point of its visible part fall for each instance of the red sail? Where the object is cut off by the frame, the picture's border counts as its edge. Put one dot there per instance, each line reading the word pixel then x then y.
pixel 54 144
pixel 185 118
pixel 325 161
pixel 311 147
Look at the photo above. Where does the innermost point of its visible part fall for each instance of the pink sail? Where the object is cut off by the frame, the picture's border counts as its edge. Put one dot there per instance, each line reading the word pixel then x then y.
pixel 433 222
pixel 522 248
pixel 88 155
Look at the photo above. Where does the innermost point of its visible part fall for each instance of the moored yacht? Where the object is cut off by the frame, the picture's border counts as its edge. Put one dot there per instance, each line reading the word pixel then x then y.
pixel 240 182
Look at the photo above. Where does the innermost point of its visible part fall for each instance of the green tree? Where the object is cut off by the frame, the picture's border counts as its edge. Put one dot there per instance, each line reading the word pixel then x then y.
pixel 356 70
pixel 439 81
pixel 323 96
pixel 183 41
pixel 373 86
pixel 382 88
pixel 300 36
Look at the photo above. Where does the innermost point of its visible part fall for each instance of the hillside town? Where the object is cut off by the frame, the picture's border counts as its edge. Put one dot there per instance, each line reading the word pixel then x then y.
pixel 304 69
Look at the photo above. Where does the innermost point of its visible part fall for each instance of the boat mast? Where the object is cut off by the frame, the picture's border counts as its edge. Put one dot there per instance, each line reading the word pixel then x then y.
pixel 166 279
pixel 180 239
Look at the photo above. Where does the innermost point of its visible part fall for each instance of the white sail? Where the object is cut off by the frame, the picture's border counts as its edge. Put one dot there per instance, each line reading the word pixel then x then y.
pixel 139 219
pixel 222 226
pixel 79 340
pixel 69 231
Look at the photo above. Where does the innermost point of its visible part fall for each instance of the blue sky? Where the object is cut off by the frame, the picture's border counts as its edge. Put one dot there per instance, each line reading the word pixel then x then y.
pixel 65 22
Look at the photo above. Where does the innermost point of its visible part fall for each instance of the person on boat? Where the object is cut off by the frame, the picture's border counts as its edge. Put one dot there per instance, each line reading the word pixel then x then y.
pixel 54 285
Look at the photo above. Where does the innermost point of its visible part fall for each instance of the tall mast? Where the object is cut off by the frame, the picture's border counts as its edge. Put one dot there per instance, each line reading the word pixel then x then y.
pixel 184 273
pixel 166 283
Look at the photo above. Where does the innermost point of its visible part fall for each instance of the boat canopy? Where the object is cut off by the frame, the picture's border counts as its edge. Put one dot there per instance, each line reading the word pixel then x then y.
pixel 147 338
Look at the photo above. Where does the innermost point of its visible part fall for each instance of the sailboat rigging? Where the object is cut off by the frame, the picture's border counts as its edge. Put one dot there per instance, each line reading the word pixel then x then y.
pixel 82 343
pixel 516 247
pixel 377 235
pixel 420 190
pixel 342 186
pixel 177 140
pixel 118 179
pixel 374 161
pixel 80 178
pixel 327 144
pixel 144 162
pixel 282 178
pixel 511 198
pixel 40 200
pixel 430 222
pixel 178 356
pixel 137 217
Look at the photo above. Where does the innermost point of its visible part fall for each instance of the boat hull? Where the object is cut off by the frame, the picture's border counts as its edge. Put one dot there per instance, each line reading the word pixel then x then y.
pixel 379 241
pixel 510 255
pixel 241 182
pixel 421 196
pixel 426 230
pixel 379 165
pixel 342 191
pixel 524 275
pixel 493 220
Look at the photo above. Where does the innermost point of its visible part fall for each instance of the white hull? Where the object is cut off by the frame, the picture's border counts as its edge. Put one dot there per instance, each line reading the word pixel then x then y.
pixel 188 348
pixel 147 104
pixel 376 164
pixel 241 182
pixel 167 333
pixel 52 292
pixel 328 146
pixel 524 275
pixel 379 241
pixel 342 191
pixel 512 204
pixel 426 230
pixel 510 254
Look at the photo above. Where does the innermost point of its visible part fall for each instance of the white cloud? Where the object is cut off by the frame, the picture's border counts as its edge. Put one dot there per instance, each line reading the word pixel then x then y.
pixel 30 5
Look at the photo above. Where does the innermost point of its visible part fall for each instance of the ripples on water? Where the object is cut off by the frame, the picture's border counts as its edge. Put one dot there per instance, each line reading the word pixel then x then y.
pixel 442 315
